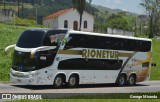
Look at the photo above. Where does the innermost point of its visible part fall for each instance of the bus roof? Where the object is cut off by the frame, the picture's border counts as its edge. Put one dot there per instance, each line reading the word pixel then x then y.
pixel 90 33
pixel 108 35
pixel 46 29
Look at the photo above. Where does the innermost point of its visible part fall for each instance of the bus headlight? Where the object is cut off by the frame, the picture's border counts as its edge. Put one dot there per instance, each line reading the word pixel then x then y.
pixel 30 75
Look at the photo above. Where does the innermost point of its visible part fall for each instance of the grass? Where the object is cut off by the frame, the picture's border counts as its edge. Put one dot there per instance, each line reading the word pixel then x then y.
pixel 155 71
pixel 8 35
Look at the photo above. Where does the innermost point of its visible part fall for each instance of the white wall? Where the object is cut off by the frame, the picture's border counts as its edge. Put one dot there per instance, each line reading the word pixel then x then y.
pixel 71 16
pixel 51 23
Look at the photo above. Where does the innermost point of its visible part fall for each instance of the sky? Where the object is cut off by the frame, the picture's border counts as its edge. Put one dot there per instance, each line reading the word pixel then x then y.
pixel 126 5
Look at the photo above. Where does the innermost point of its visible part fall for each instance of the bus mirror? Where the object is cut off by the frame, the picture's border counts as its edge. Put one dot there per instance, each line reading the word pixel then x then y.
pixel 33 52
pixel 9 47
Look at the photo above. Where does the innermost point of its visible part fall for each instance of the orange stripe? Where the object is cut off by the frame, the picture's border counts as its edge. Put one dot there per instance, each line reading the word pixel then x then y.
pixel 124 54
pixel 79 52
pixel 70 52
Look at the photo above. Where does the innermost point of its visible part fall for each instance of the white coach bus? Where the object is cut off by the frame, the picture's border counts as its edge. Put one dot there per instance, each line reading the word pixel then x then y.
pixel 57 57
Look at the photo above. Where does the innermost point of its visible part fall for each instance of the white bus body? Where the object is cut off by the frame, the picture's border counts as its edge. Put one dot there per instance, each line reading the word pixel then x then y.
pixel 56 57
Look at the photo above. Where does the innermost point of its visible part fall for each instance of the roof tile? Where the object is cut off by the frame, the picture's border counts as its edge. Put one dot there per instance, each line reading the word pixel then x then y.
pixel 58 13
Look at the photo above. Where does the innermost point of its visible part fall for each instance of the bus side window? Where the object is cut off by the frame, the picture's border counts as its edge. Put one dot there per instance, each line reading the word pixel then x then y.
pixel 76 41
pixel 70 43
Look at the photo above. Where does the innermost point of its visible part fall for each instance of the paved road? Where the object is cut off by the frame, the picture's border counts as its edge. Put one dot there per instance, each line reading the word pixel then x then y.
pixel 148 86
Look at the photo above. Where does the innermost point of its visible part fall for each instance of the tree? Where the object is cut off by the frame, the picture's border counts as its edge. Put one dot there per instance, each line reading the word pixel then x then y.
pixel 118 22
pixel 152 9
pixel 79 5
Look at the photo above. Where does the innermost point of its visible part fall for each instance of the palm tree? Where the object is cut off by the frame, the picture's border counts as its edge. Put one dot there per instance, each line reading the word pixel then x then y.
pixel 80 6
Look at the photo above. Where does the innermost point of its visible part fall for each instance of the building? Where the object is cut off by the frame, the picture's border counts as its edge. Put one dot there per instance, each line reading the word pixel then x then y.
pixel 69 18
pixel 6 15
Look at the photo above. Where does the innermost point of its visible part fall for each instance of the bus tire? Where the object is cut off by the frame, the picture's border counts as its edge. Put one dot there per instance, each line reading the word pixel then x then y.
pixel 132 80
pixel 58 81
pixel 73 81
pixel 121 80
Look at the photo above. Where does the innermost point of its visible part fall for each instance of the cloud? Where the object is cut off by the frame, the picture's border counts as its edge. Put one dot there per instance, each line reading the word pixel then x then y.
pixel 118 1
pixel 108 0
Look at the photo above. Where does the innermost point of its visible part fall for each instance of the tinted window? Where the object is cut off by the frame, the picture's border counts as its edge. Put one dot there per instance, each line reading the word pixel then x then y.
pixel 30 39
pixel 23 62
pixel 101 42
pixel 91 64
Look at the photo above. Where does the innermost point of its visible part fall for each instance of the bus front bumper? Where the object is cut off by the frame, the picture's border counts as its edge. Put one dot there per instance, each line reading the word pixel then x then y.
pixel 22 81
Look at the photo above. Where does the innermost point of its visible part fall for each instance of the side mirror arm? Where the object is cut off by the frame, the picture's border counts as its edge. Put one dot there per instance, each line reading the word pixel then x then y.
pixel 9 47
pixel 33 52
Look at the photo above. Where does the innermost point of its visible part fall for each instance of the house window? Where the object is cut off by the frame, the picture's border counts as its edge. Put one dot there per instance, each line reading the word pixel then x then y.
pixel 85 24
pixel 75 25
pixel 65 24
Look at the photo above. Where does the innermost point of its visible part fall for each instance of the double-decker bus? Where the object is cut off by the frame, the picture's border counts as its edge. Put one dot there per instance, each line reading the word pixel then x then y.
pixel 58 57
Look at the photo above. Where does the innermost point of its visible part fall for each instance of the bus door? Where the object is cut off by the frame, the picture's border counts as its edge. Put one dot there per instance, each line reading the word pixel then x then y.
pixel 45 58
pixel 44 64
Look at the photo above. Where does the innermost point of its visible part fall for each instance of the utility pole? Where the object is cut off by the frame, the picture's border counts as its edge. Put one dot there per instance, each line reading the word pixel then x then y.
pixel 22 14
pixel 18 8
pixel 4 4
pixel 36 15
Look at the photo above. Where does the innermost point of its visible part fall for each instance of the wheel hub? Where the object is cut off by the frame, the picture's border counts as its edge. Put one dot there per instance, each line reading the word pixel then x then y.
pixel 72 81
pixel 58 81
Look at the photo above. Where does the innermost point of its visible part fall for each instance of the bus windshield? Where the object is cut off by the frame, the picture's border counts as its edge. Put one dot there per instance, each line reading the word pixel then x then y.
pixel 22 62
pixel 31 39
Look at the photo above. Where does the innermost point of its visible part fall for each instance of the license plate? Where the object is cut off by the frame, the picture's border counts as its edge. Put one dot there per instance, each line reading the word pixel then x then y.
pixel 18 81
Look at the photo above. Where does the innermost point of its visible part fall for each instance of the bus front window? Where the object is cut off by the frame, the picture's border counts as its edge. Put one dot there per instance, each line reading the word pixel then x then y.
pixel 22 62
pixel 31 39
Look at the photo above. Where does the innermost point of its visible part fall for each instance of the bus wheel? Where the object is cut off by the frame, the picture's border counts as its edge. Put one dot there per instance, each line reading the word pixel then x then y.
pixel 132 80
pixel 121 80
pixel 58 81
pixel 73 81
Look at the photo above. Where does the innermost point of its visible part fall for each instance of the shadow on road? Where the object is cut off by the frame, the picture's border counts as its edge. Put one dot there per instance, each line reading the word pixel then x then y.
pixel 43 87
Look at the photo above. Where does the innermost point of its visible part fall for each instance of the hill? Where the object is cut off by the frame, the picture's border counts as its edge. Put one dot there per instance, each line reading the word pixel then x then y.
pixel 111 11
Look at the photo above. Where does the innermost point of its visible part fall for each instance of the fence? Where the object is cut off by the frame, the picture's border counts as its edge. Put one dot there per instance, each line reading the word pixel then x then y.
pixel 119 32
pixel 6 15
